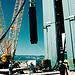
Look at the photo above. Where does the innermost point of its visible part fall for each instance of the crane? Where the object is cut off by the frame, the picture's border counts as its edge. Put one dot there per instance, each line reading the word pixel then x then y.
pixel 3 44
pixel 8 44
pixel 11 42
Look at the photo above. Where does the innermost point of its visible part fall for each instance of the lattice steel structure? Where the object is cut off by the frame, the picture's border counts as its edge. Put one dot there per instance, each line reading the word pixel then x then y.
pixel 2 30
pixel 12 40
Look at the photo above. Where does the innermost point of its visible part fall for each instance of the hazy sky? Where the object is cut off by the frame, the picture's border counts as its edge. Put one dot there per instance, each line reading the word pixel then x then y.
pixel 24 46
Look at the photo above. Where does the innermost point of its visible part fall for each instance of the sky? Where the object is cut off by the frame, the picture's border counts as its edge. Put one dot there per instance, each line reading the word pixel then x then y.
pixel 24 46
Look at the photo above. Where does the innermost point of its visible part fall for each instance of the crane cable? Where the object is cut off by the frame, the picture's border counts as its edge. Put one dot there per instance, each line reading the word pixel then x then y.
pixel 51 47
pixel 49 51
pixel 44 51
pixel 12 21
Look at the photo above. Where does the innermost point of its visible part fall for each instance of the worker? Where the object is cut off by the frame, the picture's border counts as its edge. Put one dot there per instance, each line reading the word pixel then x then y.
pixel 10 68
